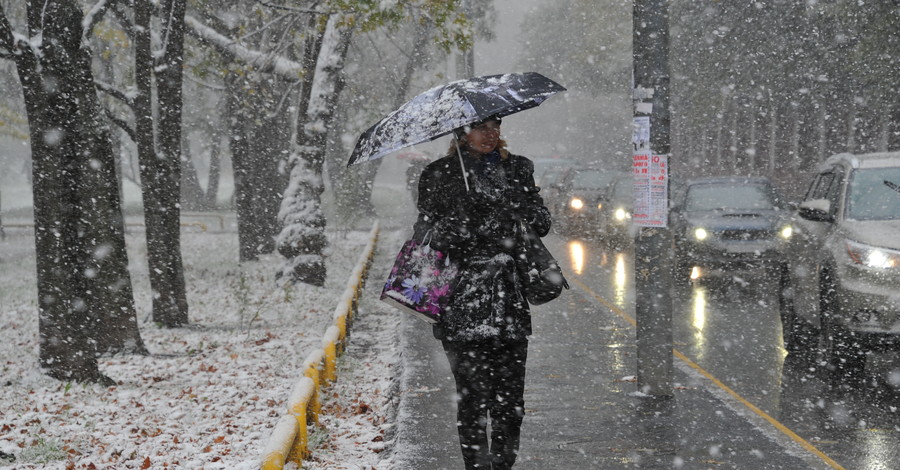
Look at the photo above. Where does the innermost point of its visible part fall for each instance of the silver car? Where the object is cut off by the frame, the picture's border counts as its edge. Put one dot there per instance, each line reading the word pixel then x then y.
pixel 843 285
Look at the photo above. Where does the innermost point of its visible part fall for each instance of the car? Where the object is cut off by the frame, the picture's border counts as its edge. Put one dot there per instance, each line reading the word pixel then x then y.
pixel 550 165
pixel 844 276
pixel 550 182
pixel 725 225
pixel 582 191
pixel 615 216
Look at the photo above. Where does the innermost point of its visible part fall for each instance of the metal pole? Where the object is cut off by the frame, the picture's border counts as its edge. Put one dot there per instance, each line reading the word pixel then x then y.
pixel 652 264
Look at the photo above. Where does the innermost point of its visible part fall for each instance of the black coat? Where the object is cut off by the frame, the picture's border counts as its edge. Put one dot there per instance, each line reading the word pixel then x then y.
pixel 477 229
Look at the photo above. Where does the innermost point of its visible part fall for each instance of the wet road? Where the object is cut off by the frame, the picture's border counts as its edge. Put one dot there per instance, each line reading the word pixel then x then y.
pixel 730 328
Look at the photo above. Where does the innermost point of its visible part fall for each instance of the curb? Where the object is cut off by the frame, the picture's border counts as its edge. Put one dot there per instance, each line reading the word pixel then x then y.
pixel 289 441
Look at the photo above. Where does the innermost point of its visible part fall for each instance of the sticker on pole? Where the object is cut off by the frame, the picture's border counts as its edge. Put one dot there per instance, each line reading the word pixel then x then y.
pixel 651 179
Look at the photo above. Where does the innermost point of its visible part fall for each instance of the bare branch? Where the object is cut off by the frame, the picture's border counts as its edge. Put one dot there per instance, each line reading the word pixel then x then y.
pixel 94 16
pixel 121 124
pixel 279 65
pixel 312 11
pixel 123 20
pixel 266 26
pixel 114 92
pixel 205 84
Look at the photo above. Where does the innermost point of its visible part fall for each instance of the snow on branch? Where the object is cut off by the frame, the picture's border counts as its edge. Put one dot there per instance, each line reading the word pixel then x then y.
pixel 92 17
pixel 126 97
pixel 266 63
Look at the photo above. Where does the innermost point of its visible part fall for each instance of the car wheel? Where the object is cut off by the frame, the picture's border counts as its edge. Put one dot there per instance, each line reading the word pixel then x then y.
pixel 844 357
pixel 796 333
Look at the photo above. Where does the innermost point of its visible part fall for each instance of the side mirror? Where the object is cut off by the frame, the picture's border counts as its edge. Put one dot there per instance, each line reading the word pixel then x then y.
pixel 816 210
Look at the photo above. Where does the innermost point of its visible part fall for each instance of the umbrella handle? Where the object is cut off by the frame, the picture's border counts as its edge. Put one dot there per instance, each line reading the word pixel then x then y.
pixel 462 165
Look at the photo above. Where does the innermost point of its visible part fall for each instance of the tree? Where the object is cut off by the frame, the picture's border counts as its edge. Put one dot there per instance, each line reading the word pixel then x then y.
pixel 302 239
pixel 261 78
pixel 161 164
pixel 404 50
pixel 785 84
pixel 85 299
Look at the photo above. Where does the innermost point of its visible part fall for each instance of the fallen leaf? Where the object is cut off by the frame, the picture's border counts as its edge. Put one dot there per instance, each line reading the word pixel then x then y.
pixel 146 463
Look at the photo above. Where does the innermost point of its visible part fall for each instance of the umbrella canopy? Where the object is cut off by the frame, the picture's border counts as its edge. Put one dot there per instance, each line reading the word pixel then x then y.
pixel 440 110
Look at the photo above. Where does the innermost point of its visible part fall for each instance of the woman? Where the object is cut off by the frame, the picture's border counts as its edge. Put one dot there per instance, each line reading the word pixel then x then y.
pixel 485 328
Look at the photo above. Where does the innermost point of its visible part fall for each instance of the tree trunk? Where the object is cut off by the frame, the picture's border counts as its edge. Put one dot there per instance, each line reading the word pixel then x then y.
pixel 192 196
pixel 212 181
pixel 170 308
pixel 82 266
pixel 260 141
pixel 302 239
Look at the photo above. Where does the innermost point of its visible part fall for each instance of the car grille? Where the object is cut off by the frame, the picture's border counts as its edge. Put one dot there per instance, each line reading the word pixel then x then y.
pixel 743 235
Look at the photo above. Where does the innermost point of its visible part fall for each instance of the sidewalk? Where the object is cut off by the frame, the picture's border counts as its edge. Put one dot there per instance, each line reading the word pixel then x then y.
pixel 582 406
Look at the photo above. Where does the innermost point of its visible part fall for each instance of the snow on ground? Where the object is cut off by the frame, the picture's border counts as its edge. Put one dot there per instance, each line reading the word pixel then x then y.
pixel 209 394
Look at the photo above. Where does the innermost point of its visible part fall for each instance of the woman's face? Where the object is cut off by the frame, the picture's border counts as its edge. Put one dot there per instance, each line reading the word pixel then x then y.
pixel 484 137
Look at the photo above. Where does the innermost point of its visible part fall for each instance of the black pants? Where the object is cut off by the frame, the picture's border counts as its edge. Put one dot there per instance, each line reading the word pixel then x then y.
pixel 490 384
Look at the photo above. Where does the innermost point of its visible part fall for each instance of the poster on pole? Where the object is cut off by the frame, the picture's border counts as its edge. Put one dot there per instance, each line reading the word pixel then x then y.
pixel 650 179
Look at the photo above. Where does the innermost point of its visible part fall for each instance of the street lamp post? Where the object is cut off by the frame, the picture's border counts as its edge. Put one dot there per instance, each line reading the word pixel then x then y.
pixel 652 253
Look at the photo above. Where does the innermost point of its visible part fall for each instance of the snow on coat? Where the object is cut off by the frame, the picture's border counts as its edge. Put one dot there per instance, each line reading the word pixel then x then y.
pixel 477 229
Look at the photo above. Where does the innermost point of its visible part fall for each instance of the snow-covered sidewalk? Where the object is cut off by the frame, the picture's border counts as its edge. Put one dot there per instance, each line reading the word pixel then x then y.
pixel 209 394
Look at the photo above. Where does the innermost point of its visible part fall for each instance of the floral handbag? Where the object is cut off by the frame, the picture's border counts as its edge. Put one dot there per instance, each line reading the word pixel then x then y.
pixel 421 281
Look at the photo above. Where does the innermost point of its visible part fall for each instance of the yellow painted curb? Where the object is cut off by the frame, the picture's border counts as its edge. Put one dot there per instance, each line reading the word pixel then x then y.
pixel 279 446
pixel 289 441
pixel 303 393
pixel 329 344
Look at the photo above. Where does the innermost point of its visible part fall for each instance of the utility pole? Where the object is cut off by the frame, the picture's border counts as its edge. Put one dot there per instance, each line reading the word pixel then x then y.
pixel 652 252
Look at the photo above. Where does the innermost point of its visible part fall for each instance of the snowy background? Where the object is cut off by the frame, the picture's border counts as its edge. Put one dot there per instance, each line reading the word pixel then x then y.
pixel 209 394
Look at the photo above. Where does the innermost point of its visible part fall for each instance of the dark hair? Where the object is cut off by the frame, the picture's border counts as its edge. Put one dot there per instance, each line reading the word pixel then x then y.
pixel 459 132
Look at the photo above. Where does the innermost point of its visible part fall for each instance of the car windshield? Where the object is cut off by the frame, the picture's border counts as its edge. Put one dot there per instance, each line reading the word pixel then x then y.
pixel 729 196
pixel 874 194
pixel 592 179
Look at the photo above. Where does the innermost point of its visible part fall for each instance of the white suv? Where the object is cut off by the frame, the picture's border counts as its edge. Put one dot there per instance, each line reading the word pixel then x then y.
pixel 843 281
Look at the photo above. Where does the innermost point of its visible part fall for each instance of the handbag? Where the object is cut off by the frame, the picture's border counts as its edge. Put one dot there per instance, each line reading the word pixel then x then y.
pixel 541 275
pixel 421 280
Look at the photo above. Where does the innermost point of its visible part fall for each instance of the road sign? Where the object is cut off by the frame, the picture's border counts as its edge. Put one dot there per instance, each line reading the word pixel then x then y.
pixel 650 179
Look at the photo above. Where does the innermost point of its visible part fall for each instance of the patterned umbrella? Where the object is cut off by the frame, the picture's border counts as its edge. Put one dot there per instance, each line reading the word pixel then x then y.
pixel 440 110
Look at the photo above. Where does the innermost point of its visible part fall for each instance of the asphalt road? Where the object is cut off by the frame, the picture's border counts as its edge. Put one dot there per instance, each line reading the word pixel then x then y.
pixel 730 328
pixel 740 401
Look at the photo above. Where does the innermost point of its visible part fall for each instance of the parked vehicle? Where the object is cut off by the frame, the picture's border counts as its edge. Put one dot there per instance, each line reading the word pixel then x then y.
pixel 583 191
pixel 549 166
pixel 615 217
pixel 845 263
pixel 550 182
pixel 729 224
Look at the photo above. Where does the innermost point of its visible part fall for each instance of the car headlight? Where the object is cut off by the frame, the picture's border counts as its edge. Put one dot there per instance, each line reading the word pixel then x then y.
pixel 599 205
pixel 873 257
pixel 786 232
pixel 622 214
pixel 700 234
pixel 576 203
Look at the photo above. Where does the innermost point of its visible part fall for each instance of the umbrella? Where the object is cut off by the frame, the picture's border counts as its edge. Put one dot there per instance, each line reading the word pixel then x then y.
pixel 440 110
